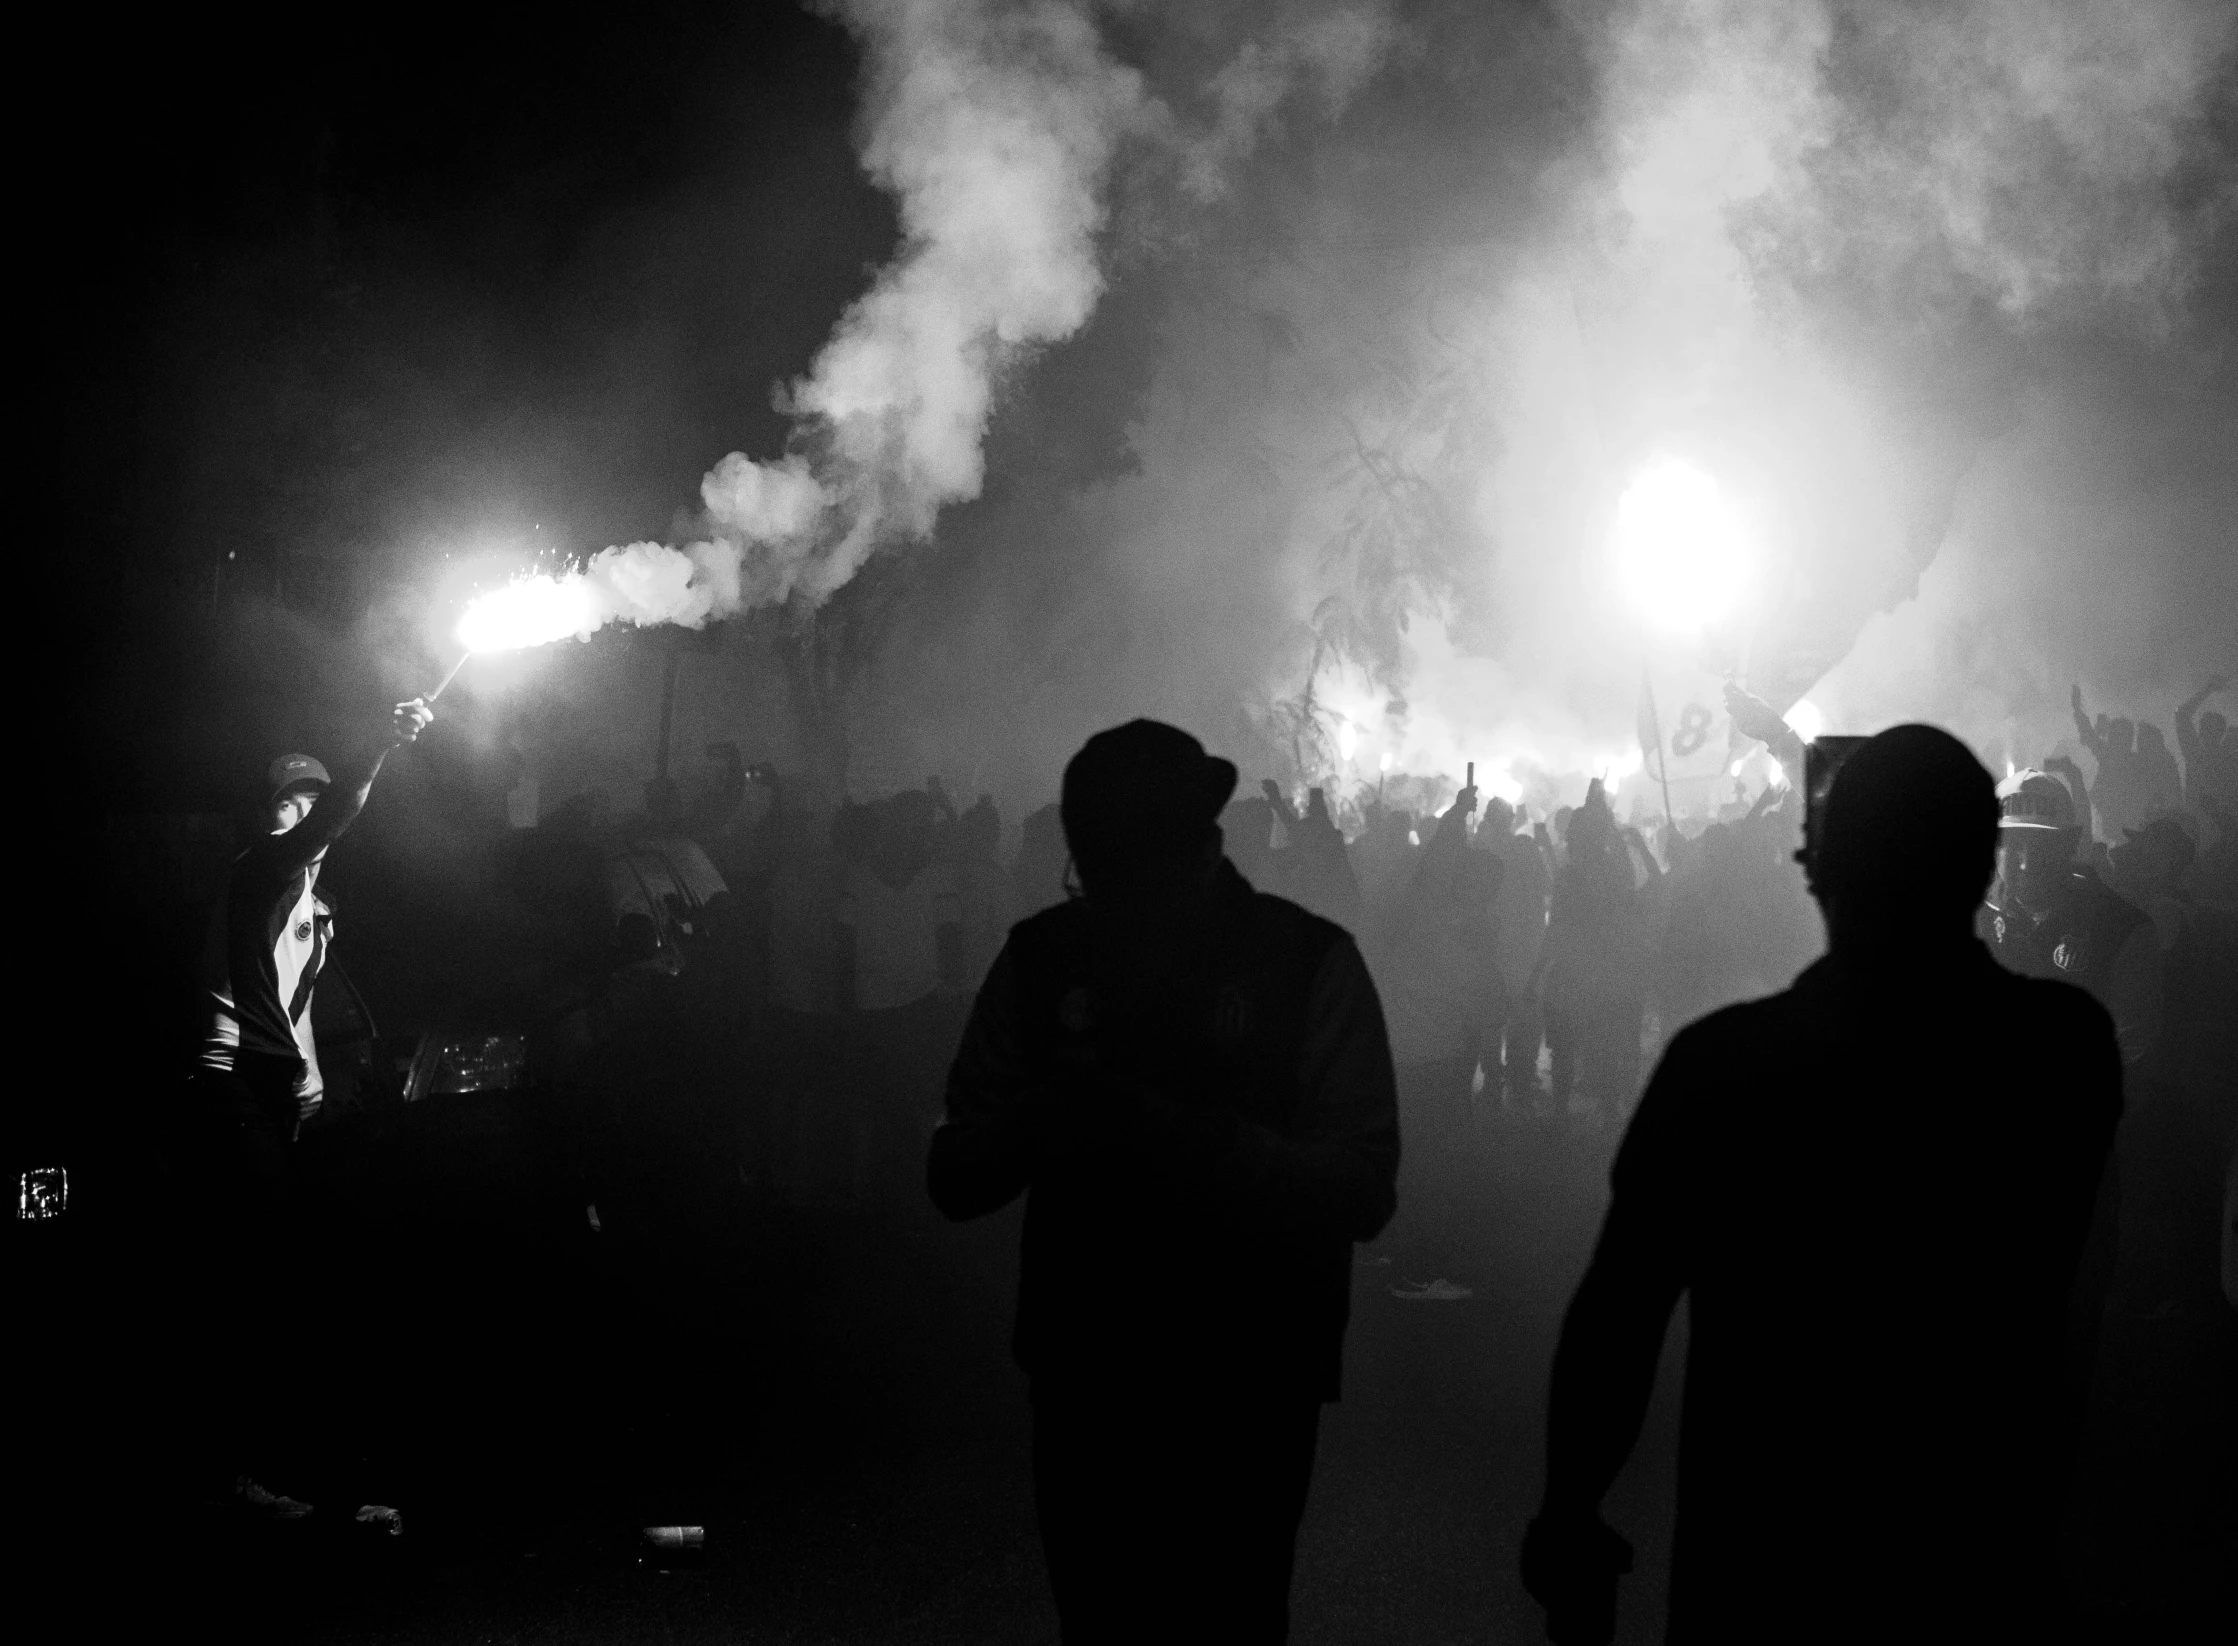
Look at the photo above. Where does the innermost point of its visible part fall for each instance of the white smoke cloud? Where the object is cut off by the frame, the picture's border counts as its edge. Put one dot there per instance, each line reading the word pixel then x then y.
pixel 997 125
pixel 1332 54
pixel 1797 208
pixel 2032 146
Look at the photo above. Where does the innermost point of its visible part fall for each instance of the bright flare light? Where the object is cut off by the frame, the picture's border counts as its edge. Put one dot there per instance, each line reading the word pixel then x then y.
pixel 1680 553
pixel 1348 739
pixel 529 611
pixel 1805 720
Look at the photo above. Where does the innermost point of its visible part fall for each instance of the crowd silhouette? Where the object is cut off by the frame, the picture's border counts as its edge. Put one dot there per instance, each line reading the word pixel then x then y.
pixel 1863 1104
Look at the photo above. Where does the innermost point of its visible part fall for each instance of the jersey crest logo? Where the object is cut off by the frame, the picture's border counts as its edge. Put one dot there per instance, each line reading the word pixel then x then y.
pixel 2067 955
pixel 1075 1012
pixel 303 931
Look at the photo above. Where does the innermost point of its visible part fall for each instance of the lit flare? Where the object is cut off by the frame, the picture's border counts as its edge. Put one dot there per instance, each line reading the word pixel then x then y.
pixel 1680 550
pixel 529 611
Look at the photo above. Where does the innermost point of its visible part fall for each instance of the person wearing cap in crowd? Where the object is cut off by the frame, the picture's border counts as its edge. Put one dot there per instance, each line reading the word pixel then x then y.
pixel 1189 1082
pixel 2049 916
pixel 1890 1302
pixel 256 1082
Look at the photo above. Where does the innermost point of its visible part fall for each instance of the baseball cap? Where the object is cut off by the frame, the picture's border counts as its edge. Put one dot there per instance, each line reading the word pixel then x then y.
pixel 2032 799
pixel 1140 790
pixel 293 771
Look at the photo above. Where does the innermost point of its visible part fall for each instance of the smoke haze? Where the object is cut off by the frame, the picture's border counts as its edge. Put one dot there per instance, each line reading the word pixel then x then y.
pixel 1277 369
pixel 1941 297
pixel 996 126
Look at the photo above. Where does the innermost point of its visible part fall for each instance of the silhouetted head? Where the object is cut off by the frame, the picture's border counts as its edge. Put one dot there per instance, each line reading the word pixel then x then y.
pixel 1499 818
pixel 296 781
pixel 1040 868
pixel 2211 728
pixel 1140 805
pixel 1908 839
pixel 1247 827
pixel 1593 824
pixel 2123 735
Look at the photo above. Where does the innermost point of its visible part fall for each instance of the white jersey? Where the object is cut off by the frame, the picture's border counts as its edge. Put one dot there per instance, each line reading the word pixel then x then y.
pixel 299 948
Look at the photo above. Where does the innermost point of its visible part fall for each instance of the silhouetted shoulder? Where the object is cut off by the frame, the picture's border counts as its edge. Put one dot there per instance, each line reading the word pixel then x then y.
pixel 1745 1056
pixel 1052 925
pixel 1278 920
pixel 1745 1031
pixel 2060 1012
pixel 1273 923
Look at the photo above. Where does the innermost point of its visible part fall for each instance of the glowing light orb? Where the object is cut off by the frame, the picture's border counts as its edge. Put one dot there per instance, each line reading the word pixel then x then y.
pixel 1348 739
pixel 1777 772
pixel 1384 764
pixel 1681 555
pixel 529 611
pixel 1805 720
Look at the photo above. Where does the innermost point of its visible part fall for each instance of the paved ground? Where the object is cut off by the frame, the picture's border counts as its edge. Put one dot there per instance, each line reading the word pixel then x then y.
pixel 839 1411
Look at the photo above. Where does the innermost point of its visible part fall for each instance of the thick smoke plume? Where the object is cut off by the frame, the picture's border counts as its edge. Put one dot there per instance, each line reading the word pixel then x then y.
pixel 997 125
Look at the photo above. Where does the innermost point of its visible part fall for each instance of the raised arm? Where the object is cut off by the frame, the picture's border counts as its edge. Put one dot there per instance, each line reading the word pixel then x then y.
pixel 2187 730
pixel 338 807
pixel 1282 808
pixel 1436 869
pixel 1754 717
pixel 2084 730
pixel 2198 699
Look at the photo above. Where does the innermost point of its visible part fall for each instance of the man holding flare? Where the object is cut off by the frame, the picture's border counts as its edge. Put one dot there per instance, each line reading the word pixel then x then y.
pixel 257 1080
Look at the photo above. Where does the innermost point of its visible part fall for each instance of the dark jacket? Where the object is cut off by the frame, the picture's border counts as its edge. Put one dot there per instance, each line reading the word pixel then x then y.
pixel 1202 1130
pixel 2076 940
pixel 1876 1203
